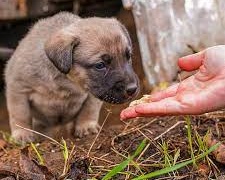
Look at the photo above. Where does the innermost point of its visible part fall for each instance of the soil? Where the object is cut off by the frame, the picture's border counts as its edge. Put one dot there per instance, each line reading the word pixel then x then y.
pixel 89 161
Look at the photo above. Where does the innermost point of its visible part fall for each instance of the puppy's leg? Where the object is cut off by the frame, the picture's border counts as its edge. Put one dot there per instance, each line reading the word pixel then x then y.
pixel 41 127
pixel 87 120
pixel 19 114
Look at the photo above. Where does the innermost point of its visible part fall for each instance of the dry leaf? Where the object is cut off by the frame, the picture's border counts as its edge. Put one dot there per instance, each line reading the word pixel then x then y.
pixel 219 153
pixel 32 168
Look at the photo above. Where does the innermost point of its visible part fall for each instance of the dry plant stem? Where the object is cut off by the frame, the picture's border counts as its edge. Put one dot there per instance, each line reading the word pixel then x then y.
pixel 109 112
pixel 71 153
pixel 172 177
pixel 96 175
pixel 120 154
pixel 3 149
pixel 169 129
pixel 150 132
pixel 53 140
pixel 101 159
pixel 145 149
pixel 98 167
pixel 143 134
pixel 215 115
pixel 105 155
pixel 153 155
pixel 214 165
pixel 154 164
pixel 217 130
pixel 127 175
pixel 66 165
pixel 135 128
pixel 126 127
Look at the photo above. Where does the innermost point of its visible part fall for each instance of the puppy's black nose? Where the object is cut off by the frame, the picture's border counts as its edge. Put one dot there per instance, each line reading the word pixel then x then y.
pixel 131 89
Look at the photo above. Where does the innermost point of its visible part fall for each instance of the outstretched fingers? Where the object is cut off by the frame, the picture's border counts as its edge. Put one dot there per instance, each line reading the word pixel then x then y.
pixel 169 92
pixel 168 106
pixel 191 62
pixel 129 113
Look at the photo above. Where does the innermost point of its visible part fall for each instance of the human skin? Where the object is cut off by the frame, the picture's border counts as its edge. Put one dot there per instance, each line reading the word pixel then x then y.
pixel 200 93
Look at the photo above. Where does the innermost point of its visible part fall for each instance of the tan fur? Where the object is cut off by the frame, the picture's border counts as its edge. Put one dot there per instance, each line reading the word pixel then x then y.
pixel 48 81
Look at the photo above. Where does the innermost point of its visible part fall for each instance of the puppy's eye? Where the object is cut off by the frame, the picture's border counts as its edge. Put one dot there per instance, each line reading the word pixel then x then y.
pixel 128 54
pixel 100 66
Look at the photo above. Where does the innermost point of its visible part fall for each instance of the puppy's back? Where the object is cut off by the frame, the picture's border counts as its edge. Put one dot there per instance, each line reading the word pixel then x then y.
pixel 29 55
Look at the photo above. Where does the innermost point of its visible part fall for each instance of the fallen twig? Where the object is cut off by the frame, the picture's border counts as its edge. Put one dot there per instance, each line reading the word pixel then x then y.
pixel 96 137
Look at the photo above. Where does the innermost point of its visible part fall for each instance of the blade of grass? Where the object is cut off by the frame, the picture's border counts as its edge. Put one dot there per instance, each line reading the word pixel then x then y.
pixel 8 138
pixel 177 166
pixel 136 165
pixel 168 159
pixel 140 148
pixel 176 156
pixel 124 164
pixel 65 155
pixel 117 169
pixel 40 158
pixel 188 121
pixel 166 154
pixel 200 143
pixel 65 150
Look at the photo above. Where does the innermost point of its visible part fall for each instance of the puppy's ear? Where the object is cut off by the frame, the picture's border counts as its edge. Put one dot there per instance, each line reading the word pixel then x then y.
pixel 126 33
pixel 59 49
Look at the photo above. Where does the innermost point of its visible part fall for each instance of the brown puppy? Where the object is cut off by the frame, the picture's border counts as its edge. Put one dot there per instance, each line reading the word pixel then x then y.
pixel 63 68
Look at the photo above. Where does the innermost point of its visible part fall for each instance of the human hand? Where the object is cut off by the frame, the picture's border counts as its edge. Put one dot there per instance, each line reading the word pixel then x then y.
pixel 200 93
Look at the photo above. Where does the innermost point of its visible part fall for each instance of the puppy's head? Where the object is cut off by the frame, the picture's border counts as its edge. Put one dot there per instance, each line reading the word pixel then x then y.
pixel 96 54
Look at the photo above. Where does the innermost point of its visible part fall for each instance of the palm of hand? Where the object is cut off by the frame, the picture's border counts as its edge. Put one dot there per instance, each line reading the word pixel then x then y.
pixel 202 92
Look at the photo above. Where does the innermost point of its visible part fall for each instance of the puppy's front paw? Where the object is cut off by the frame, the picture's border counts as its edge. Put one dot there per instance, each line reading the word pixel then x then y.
pixel 85 129
pixel 23 136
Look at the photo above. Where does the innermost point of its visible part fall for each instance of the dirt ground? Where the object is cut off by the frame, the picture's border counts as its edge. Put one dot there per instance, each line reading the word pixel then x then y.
pixel 93 156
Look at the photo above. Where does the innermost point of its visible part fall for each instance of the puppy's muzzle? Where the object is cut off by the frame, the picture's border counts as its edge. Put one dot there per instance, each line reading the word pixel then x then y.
pixel 123 91
pixel 131 89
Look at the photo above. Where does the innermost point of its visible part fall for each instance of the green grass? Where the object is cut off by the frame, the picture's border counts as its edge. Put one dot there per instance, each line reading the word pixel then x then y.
pixel 8 138
pixel 177 166
pixel 125 163
pixel 190 138
pixel 169 159
pixel 65 156
pixel 168 169
pixel 39 156
pixel 176 156
pixel 170 162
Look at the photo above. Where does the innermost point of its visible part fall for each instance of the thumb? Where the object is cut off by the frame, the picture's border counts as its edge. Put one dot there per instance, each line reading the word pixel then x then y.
pixel 191 62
